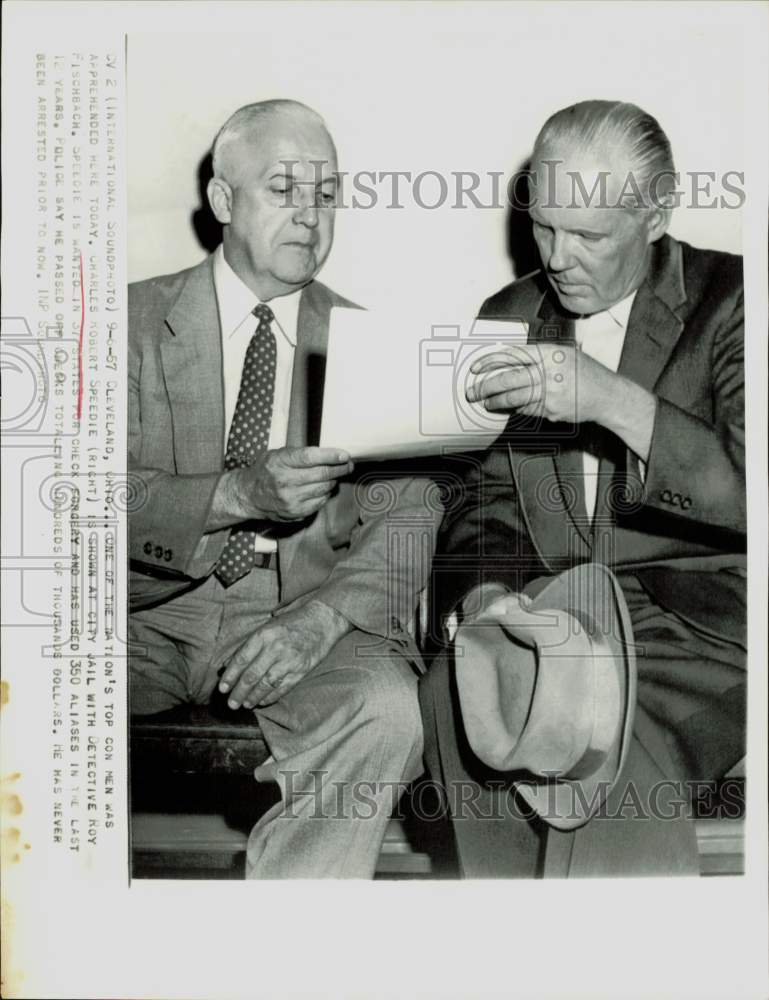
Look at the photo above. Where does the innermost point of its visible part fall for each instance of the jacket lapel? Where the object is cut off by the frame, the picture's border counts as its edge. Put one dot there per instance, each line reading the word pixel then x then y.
pixel 309 367
pixel 653 329
pixel 297 545
pixel 655 325
pixel 192 366
pixel 549 477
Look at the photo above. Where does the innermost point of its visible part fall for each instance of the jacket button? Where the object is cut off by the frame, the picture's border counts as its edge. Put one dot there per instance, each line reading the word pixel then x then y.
pixel 665 496
pixel 686 503
pixel 676 499
pixel 167 555
pixel 158 551
pixel 148 548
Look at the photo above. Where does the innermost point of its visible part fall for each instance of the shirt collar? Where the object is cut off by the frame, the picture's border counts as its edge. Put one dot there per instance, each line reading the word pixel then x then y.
pixel 620 312
pixel 236 301
pixel 610 322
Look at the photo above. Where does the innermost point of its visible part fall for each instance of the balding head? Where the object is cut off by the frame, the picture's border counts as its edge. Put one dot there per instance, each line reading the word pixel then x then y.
pixel 245 126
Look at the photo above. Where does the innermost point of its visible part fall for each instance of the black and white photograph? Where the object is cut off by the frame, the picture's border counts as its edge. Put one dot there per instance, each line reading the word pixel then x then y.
pixel 401 377
pixel 588 718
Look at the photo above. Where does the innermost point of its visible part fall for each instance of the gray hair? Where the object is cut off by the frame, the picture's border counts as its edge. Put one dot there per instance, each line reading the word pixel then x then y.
pixel 612 124
pixel 249 118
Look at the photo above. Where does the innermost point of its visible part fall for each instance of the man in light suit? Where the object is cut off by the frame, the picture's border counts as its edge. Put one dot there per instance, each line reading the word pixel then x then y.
pixel 625 446
pixel 259 562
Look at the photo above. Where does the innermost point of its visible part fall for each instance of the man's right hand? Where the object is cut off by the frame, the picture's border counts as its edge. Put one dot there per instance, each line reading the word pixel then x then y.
pixel 286 484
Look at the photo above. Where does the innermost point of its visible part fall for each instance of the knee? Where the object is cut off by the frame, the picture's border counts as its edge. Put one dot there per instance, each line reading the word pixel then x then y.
pixel 389 705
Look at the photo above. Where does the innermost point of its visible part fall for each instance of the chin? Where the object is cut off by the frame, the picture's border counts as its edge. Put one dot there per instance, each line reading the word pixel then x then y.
pixel 296 275
pixel 578 304
pixel 298 271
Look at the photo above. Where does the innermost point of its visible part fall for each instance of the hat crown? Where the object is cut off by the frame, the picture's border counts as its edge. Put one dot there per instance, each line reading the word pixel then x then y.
pixel 549 689
pixel 560 722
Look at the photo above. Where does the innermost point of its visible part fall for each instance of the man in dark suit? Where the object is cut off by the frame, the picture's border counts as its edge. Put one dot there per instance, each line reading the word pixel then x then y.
pixel 259 562
pixel 625 446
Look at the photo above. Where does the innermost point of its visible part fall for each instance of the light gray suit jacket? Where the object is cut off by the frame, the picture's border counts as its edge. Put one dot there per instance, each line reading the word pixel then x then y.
pixel 351 554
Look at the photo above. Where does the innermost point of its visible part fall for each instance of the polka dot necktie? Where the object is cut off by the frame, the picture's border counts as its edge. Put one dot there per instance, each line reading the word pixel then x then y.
pixel 250 435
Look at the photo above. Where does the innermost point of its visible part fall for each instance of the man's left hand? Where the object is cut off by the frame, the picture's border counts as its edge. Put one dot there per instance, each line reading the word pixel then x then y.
pixel 280 653
pixel 559 383
pixel 554 381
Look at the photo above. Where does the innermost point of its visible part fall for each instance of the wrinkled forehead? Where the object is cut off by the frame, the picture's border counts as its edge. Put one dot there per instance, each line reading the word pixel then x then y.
pixel 285 144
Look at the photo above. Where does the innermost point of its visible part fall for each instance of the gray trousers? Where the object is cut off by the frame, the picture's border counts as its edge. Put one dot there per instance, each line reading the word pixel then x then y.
pixel 344 742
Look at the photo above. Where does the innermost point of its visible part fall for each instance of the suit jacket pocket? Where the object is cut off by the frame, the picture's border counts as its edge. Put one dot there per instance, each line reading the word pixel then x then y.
pixel 146 590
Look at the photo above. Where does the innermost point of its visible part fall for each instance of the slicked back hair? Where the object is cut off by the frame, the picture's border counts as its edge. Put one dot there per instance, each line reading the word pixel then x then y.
pixel 608 125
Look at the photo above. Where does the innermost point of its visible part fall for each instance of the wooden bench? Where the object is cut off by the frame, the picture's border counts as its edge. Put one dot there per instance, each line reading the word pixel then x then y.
pixel 197 739
pixel 194 800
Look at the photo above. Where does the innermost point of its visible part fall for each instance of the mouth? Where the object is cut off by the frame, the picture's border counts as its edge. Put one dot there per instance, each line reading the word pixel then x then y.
pixel 567 287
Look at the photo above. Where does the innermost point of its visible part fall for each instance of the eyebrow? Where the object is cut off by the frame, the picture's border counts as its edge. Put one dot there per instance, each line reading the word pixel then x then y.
pixel 579 230
pixel 282 175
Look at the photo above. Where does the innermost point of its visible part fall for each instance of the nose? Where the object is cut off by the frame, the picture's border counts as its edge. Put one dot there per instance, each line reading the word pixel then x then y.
pixel 306 212
pixel 560 258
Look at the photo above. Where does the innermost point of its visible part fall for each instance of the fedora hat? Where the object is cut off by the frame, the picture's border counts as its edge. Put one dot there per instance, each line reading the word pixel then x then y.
pixel 547 688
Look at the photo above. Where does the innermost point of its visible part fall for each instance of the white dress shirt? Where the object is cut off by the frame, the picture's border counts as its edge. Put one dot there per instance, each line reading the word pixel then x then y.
pixel 237 323
pixel 602 336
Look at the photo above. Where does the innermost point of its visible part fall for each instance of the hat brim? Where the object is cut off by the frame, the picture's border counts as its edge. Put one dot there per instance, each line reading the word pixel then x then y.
pixel 564 803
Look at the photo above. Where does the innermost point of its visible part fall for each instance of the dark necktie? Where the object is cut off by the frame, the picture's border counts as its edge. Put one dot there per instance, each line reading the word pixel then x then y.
pixel 249 435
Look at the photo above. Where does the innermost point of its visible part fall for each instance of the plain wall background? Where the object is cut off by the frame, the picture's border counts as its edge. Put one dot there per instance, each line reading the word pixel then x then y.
pixel 438 87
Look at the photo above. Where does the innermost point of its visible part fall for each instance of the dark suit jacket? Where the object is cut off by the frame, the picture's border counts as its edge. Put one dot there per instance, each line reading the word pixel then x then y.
pixel 345 554
pixel 523 513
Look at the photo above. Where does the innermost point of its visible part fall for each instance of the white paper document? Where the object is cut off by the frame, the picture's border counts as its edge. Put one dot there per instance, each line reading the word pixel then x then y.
pixel 395 385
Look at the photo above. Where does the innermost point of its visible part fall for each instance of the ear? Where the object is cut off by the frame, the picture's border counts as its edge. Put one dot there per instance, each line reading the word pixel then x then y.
pixel 658 220
pixel 220 199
